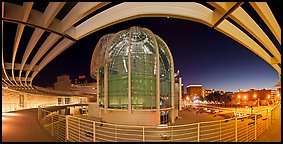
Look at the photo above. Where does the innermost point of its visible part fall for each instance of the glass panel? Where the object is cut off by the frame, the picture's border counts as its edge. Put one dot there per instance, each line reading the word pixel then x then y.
pixel 118 72
pixel 143 70
pixel 165 75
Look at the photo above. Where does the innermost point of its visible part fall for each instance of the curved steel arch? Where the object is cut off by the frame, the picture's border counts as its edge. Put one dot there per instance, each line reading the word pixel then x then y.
pixel 125 11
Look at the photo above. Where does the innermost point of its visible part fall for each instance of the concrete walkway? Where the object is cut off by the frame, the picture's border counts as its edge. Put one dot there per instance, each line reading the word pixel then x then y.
pixel 22 126
pixel 273 134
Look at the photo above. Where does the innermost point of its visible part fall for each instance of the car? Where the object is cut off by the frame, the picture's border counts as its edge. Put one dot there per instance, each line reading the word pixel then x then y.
pixel 212 111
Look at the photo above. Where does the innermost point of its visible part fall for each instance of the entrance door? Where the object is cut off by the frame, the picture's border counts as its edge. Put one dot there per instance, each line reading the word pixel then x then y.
pixel 164 117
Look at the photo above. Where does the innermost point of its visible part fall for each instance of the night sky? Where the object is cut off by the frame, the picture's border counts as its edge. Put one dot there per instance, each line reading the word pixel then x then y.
pixel 202 54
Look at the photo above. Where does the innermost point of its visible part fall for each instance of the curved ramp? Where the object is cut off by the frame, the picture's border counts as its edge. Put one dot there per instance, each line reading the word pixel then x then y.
pixel 22 126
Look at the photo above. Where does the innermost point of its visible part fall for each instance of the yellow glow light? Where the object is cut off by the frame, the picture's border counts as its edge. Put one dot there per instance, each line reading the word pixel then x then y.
pixel 9 114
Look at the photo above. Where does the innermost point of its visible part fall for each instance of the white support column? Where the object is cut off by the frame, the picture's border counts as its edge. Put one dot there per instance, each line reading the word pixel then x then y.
pixel 106 86
pixel 97 87
pixel 172 77
pixel 129 75
pixel 157 76
pixel 180 93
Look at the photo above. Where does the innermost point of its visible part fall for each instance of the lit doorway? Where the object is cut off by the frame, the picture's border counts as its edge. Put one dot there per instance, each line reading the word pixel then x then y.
pixel 164 117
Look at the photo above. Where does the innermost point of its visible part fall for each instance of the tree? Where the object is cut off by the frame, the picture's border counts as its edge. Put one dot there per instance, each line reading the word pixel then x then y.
pixel 216 96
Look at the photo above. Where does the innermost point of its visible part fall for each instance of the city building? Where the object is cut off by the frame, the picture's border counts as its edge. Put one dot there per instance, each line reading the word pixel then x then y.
pixel 63 83
pixel 132 89
pixel 194 91
pixel 253 97
pixel 206 92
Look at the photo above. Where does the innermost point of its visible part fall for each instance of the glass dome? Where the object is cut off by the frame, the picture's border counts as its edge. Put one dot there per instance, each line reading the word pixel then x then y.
pixel 134 70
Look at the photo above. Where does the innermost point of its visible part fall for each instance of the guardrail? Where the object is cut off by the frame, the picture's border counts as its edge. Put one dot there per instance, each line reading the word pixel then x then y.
pixel 68 128
pixel 8 107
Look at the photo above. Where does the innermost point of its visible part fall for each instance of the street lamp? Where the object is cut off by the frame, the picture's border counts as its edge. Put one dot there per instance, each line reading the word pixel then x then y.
pixel 254 95
pixel 239 96
pixel 268 96
pixel 245 97
pixel 187 98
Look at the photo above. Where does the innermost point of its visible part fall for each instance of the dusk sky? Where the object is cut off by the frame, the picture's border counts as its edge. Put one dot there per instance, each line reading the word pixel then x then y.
pixel 202 54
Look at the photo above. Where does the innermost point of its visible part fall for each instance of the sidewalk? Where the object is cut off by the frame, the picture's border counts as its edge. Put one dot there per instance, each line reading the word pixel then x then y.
pixel 22 126
pixel 273 134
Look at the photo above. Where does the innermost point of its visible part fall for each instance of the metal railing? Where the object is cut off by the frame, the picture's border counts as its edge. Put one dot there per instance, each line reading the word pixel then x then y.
pixel 237 129
pixel 8 107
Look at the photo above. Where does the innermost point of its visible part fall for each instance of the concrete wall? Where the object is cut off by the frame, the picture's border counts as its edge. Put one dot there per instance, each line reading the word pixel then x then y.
pixel 93 110
pixel 137 117
pixel 11 100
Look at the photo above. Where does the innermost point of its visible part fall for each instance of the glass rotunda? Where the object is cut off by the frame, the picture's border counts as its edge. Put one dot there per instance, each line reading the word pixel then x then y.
pixel 135 72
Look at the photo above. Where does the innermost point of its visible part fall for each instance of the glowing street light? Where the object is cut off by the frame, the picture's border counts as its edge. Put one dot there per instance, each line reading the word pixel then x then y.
pixel 245 97
pixel 187 98
pixel 239 96
pixel 268 96
pixel 254 95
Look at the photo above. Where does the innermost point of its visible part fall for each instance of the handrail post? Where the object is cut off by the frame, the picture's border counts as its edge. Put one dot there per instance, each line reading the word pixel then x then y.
pixel 52 128
pixel 172 133
pixel 267 119
pixel 247 132
pixel 79 124
pixel 115 133
pixel 38 110
pixel 67 128
pixel 220 132
pixel 198 131
pixel 255 126
pixel 236 129
pixel 143 136
pixel 93 123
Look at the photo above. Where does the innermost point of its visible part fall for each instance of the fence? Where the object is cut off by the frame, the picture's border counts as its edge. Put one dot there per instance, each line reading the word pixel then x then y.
pixel 238 129
pixel 8 107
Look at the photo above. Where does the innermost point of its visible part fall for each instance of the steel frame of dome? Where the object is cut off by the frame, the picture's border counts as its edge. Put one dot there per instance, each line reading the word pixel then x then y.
pixel 25 15
pixel 99 58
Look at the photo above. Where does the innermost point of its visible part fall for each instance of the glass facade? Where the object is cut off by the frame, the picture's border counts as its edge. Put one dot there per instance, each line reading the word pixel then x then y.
pixel 130 57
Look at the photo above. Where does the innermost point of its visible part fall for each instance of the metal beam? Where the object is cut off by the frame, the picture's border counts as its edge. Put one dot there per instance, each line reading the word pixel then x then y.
pixel 27 6
pixel 32 42
pixel 50 41
pixel 36 19
pixel 235 33
pixel 49 14
pixel 227 13
pixel 266 14
pixel 81 10
pixel 245 21
pixel 51 11
pixel 63 45
pixel 3 65
pixel 17 66
pixel 17 79
pixel 129 10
